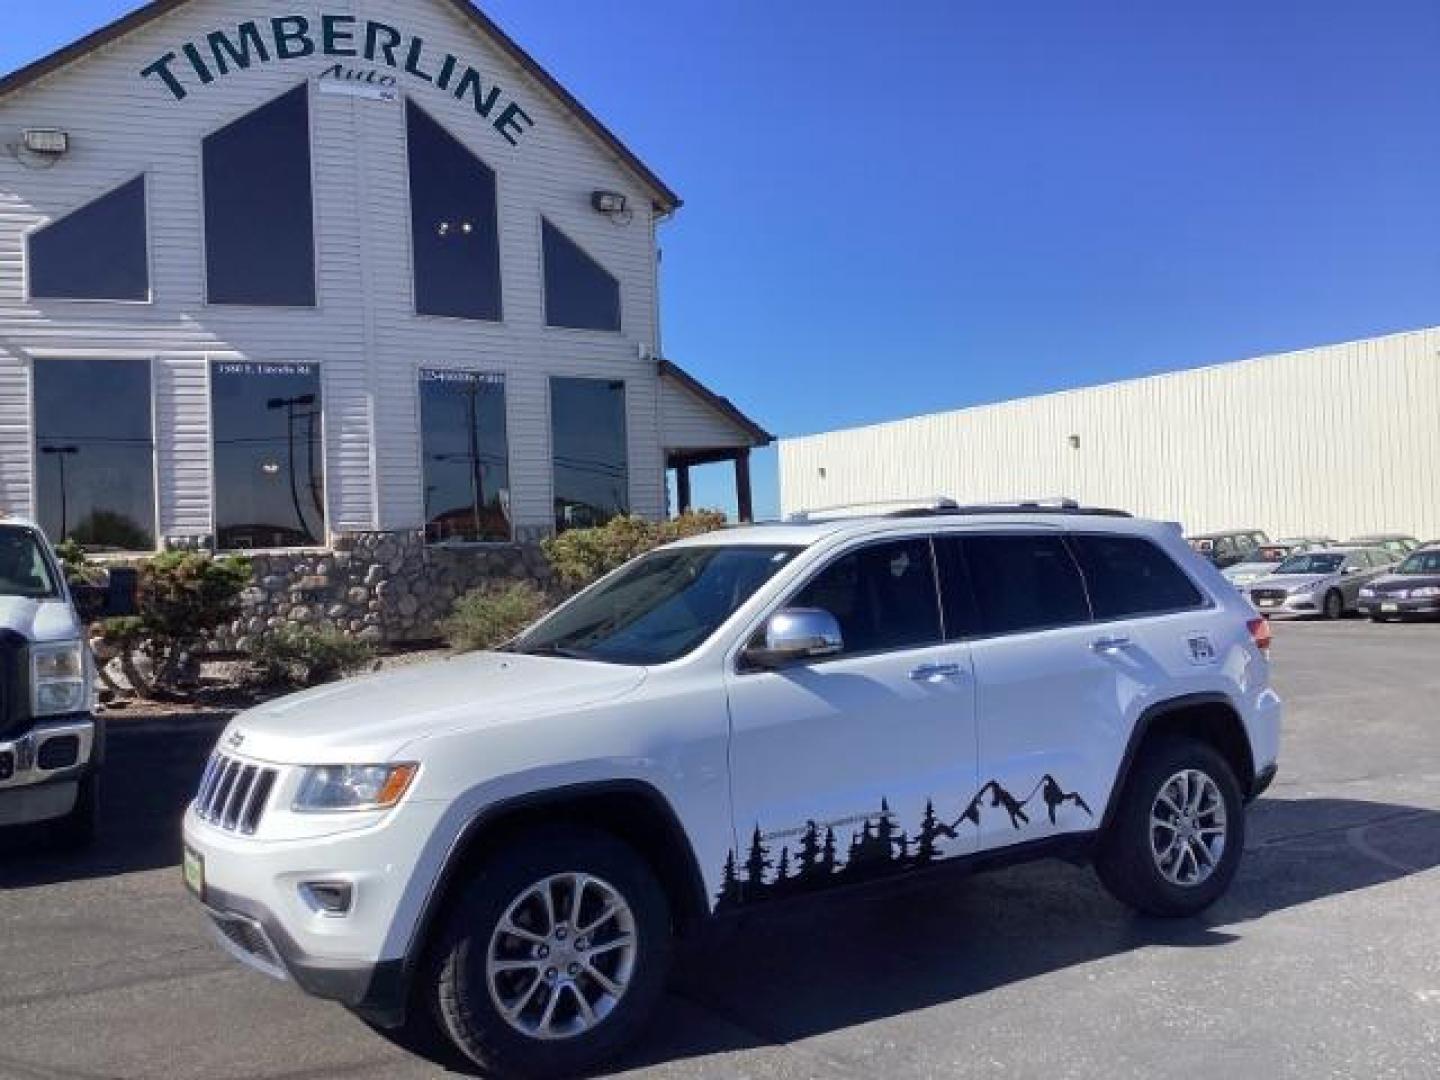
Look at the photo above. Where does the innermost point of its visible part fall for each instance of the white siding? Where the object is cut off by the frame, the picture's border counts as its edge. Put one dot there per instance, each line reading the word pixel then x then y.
pixel 363 333
pixel 687 423
pixel 1340 440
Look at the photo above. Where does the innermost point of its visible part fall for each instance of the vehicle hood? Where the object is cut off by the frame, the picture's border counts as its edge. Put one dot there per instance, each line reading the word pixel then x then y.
pixel 1402 584
pixel 38 620
pixel 369 719
pixel 1292 582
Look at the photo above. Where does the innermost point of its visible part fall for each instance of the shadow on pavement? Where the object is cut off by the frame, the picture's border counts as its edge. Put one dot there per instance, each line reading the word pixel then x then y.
pixel 150 774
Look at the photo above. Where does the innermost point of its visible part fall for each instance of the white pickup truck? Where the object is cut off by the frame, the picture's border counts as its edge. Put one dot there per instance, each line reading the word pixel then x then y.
pixel 51 741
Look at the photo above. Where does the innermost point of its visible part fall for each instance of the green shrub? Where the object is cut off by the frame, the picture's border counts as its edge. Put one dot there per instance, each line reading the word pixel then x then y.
pixel 181 598
pixel 302 656
pixel 581 556
pixel 489 616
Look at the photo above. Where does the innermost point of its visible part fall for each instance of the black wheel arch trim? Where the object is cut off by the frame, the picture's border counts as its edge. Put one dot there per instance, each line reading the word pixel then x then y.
pixel 1141 732
pixel 695 905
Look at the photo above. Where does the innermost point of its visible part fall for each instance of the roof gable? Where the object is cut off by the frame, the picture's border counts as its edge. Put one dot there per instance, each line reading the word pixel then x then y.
pixel 662 196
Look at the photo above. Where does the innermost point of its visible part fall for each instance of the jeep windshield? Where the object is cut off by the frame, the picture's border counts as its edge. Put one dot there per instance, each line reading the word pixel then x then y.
pixel 24 569
pixel 658 608
pixel 1311 564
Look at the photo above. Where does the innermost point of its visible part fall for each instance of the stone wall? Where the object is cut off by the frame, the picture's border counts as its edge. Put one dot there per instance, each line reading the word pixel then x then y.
pixel 385 588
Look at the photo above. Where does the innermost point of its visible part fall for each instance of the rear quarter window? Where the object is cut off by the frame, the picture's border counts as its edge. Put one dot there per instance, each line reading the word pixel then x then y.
pixel 1129 575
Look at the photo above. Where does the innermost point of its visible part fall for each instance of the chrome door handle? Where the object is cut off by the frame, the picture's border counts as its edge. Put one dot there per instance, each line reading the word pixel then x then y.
pixel 935 672
pixel 1110 644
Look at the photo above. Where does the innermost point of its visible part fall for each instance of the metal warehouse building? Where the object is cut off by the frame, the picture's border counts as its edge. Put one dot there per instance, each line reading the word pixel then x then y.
pixel 281 276
pixel 1340 440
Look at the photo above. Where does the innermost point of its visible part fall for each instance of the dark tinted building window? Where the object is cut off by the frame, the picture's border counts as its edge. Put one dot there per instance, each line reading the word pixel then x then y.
pixel 1024 583
pixel 99 252
pixel 269 455
pixel 259 211
pixel 95 453
pixel 588 441
pixel 883 596
pixel 456 238
pixel 1131 576
pixel 579 293
pixel 467 471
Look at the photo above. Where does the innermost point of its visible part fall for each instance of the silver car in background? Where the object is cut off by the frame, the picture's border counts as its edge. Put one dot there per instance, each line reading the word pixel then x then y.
pixel 1261 563
pixel 1399 545
pixel 1326 582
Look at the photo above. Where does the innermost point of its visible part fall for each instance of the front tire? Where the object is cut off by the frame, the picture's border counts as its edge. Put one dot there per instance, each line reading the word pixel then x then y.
pixel 1334 605
pixel 554 955
pixel 1175 842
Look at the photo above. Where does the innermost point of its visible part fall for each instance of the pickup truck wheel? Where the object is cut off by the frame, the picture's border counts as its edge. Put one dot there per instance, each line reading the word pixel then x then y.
pixel 76 830
pixel 1334 605
pixel 554 956
pixel 1175 842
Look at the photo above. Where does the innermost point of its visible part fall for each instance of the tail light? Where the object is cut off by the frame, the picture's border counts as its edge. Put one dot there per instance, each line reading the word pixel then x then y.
pixel 1260 632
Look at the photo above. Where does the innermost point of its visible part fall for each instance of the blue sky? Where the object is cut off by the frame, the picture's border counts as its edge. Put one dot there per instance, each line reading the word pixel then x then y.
pixel 898 208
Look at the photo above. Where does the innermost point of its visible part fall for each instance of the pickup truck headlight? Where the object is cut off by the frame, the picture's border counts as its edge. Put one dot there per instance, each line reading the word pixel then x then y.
pixel 1425 592
pixel 57 679
pixel 328 788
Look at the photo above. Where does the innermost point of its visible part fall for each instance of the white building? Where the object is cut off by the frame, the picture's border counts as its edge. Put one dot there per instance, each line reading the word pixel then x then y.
pixel 275 273
pixel 1340 440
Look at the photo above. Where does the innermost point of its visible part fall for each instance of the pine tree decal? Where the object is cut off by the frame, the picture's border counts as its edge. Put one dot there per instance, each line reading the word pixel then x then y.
pixel 782 871
pixel 807 858
pixel 730 892
pixel 756 864
pixel 827 855
pixel 931 830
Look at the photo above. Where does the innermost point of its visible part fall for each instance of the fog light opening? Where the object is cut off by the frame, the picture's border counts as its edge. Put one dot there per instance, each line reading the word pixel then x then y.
pixel 333 898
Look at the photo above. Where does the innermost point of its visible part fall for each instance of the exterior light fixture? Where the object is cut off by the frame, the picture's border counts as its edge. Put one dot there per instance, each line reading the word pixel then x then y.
pixel 1074 441
pixel 608 202
pixel 270 468
pixel 48 142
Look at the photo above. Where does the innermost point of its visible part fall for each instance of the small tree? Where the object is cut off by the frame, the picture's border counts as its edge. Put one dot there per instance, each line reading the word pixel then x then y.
pixel 581 556
pixel 182 597
pixel 489 616
pixel 303 656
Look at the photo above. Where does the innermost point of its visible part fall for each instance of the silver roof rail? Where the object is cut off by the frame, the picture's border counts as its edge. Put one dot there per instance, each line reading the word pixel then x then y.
pixel 877 508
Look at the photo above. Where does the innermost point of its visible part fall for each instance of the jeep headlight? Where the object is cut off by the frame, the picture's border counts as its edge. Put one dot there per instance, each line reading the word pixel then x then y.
pixel 57 679
pixel 1425 592
pixel 328 788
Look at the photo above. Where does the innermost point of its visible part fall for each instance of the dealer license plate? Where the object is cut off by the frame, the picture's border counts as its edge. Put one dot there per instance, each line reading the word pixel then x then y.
pixel 1389 607
pixel 194 868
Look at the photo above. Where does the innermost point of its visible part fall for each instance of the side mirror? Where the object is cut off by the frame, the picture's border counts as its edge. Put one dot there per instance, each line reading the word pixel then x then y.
pixel 795 635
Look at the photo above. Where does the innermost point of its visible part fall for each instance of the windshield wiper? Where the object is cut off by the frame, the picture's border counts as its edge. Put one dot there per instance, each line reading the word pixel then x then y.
pixel 552 650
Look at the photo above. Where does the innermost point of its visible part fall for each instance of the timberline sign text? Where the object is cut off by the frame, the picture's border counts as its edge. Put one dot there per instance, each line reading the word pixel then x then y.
pixel 296 37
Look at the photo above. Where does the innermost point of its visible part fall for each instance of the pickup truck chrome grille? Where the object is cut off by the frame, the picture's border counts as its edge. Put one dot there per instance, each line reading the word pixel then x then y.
pixel 233 793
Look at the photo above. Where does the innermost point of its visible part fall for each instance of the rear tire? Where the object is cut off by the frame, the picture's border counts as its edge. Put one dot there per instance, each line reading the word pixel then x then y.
pixel 555 974
pixel 1160 854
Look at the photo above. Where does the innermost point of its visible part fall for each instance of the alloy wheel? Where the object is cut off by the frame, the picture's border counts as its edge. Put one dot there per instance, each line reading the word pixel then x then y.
pixel 1188 828
pixel 561 957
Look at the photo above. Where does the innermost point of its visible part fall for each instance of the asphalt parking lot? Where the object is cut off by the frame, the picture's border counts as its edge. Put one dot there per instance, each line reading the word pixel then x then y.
pixel 1322 962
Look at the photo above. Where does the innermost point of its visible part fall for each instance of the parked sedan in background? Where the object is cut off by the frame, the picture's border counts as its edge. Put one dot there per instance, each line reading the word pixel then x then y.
pixel 1261 564
pixel 1411 589
pixel 1228 548
pixel 1306 543
pixel 1398 544
pixel 1324 582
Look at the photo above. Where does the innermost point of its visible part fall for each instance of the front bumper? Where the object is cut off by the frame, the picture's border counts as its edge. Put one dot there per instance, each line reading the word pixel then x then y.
pixel 40 771
pixel 1294 604
pixel 253 890
pixel 1381 607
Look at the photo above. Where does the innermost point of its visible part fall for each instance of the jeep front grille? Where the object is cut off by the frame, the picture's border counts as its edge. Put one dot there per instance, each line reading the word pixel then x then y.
pixel 233 793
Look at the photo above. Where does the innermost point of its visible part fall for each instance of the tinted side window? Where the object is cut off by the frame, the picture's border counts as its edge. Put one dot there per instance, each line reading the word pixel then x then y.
pixel 962 616
pixel 1131 576
pixel 883 596
pixel 579 293
pixel 1025 583
pixel 259 212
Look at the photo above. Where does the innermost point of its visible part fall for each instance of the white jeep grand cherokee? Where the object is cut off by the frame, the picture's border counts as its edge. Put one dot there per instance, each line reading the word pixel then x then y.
pixel 506 842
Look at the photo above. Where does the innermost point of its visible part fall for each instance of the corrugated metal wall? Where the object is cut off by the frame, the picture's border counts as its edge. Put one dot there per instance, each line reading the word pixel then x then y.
pixel 1341 440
